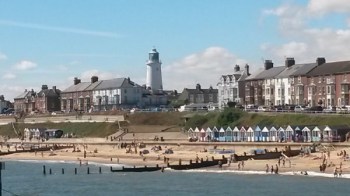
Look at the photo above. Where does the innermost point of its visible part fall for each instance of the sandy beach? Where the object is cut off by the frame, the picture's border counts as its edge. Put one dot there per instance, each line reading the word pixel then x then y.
pixel 113 154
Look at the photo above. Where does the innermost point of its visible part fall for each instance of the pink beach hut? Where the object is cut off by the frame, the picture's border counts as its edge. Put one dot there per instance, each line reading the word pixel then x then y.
pixel 235 134
pixel 202 135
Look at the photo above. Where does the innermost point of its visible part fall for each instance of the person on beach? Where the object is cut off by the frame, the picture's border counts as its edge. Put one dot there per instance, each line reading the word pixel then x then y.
pixel 267 168
pixel 272 169
pixel 242 164
pixel 239 166
pixel 279 161
pixel 276 170
pixel 340 172
pixel 335 172
pixel 283 162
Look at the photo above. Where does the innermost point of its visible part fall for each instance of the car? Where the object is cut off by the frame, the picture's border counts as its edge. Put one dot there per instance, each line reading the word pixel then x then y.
pixel 341 110
pixel 262 109
pixel 299 108
pixel 314 109
pixel 330 109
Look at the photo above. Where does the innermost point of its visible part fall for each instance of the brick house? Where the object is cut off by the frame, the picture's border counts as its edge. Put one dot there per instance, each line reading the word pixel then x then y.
pixel 25 102
pixel 199 95
pixel 48 100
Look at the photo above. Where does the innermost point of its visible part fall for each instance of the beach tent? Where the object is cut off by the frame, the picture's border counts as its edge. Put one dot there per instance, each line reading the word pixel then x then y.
pixel 306 132
pixel 273 134
pixel 228 134
pixel 243 134
pixel 215 134
pixel 222 134
pixel 265 134
pixel 281 134
pixel 289 133
pixel 235 134
pixel 257 134
pixel 209 133
pixel 250 134
pixel 202 135
pixel 316 134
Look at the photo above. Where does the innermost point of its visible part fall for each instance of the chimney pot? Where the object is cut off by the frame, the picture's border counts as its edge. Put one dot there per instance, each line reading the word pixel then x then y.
pixel 289 62
pixel 320 60
pixel 268 64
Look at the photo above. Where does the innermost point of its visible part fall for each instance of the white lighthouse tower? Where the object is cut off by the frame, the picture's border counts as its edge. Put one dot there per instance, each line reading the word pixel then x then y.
pixel 154 71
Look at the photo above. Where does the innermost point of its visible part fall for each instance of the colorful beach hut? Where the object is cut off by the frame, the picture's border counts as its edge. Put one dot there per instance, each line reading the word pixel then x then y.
pixel 273 134
pixel 281 134
pixel 243 134
pixel 316 134
pixel 228 134
pixel 257 134
pixel 221 135
pixel 306 132
pixel 289 133
pixel 235 134
pixel 190 133
pixel 250 134
pixel 208 134
pixel 196 133
pixel 202 135
pixel 215 134
pixel 265 134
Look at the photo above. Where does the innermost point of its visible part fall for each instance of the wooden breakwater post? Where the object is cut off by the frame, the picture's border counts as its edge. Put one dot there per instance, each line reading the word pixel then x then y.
pixel 88 170
pixel 50 171
pixel 62 170
pixel 75 171
pixel 44 170
pixel 100 170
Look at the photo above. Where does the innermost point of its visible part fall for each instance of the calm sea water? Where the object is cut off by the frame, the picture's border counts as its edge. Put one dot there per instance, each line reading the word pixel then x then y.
pixel 26 178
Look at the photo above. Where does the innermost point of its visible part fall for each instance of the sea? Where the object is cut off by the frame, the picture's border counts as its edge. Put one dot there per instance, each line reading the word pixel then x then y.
pixel 26 178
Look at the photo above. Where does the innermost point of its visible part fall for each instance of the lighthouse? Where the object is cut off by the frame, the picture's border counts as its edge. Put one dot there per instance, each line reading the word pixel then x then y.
pixel 154 71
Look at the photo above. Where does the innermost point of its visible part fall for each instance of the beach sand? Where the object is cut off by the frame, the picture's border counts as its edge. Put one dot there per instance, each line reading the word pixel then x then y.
pixel 112 154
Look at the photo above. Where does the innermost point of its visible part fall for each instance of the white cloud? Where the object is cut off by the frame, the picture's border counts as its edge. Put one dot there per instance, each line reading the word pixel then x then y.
pixel 305 42
pixel 3 56
pixel 102 75
pixel 12 91
pixel 9 76
pixel 204 67
pixel 322 7
pixel 25 65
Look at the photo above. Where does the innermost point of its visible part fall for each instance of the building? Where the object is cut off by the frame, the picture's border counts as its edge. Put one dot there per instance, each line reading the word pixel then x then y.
pixel 199 95
pixel 4 104
pixel 154 71
pixel 231 87
pixel 328 84
pixel 78 97
pixel 48 100
pixel 260 87
pixel 116 93
pixel 25 102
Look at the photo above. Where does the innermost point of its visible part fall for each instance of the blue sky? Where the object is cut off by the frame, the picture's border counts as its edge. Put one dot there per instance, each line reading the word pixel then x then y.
pixel 50 42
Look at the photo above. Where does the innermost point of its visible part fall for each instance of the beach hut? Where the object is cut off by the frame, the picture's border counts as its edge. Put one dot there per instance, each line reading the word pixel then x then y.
pixel 190 133
pixel 250 134
pixel 327 134
pixel 228 134
pixel 208 132
pixel 273 134
pixel 257 134
pixel 221 135
pixel 338 133
pixel 215 134
pixel 243 134
pixel 306 132
pixel 298 136
pixel 202 135
pixel 281 134
pixel 316 134
pixel 235 134
pixel 196 133
pixel 265 134
pixel 289 133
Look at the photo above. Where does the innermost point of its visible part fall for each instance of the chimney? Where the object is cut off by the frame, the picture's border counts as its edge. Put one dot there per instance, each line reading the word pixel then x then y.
pixel 247 69
pixel 198 87
pixel 44 87
pixel 289 62
pixel 25 90
pixel 94 79
pixel 76 81
pixel 268 64
pixel 237 68
pixel 320 60
pixel 54 88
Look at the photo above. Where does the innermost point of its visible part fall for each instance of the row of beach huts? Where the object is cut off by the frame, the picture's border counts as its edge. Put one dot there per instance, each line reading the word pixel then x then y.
pixel 270 134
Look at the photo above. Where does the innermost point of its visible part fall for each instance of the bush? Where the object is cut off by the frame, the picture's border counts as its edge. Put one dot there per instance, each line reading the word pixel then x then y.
pixel 228 116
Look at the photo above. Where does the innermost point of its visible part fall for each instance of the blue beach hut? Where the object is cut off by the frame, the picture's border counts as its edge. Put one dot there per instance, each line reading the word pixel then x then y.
pixel 281 134
pixel 215 134
pixel 222 134
pixel 257 134
pixel 265 134
pixel 228 134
